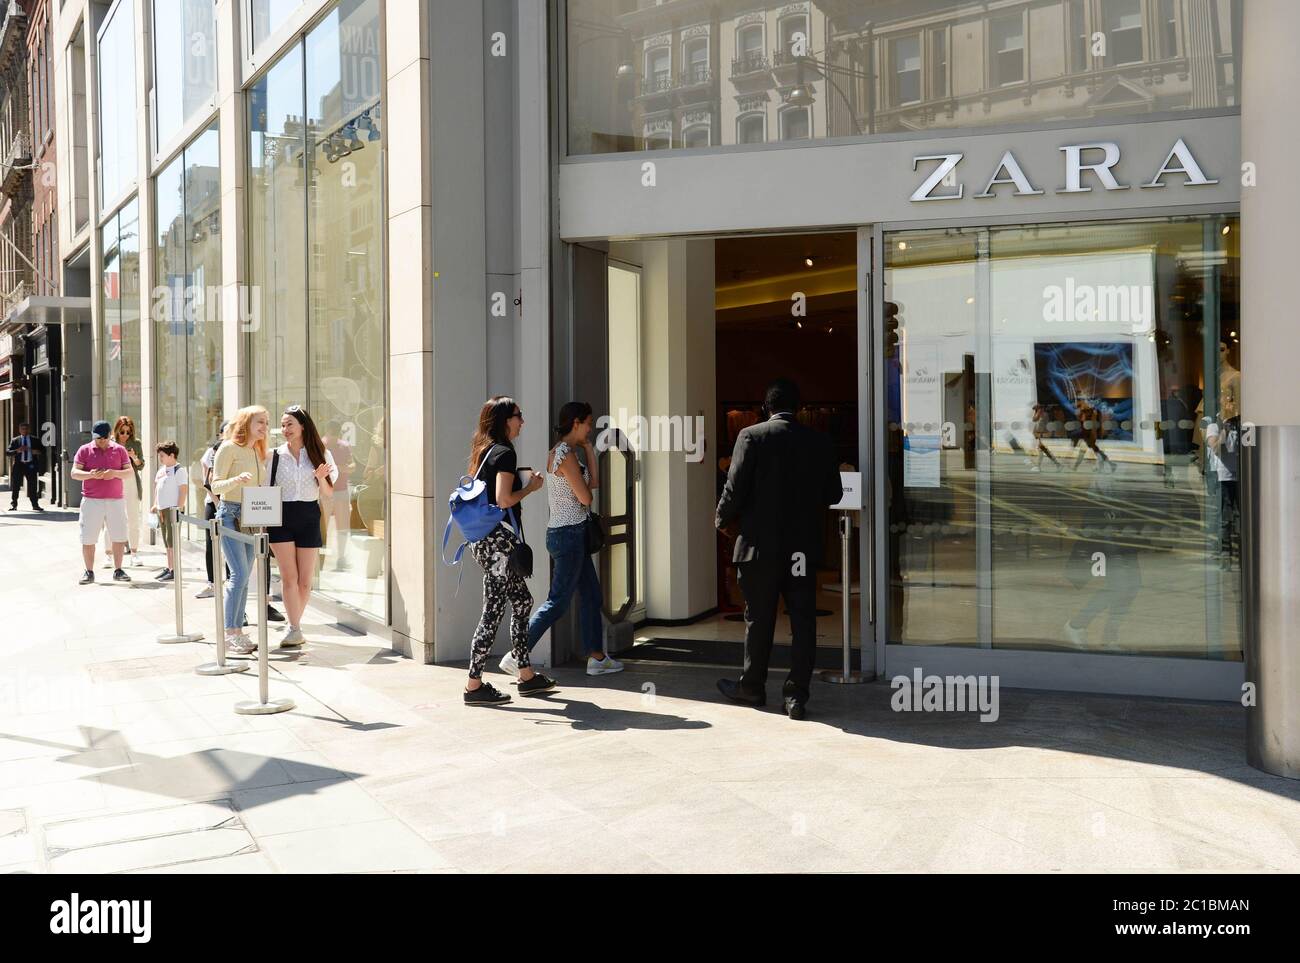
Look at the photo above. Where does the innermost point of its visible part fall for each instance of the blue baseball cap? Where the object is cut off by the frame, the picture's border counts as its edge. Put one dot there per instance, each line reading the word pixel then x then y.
pixel 101 429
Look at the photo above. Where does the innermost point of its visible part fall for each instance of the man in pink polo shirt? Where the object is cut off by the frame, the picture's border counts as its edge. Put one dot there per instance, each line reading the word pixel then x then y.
pixel 100 466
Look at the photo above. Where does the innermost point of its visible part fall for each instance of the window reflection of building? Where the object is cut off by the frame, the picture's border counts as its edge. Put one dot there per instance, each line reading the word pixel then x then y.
pixel 186 300
pixel 870 67
pixel 1096 346
pixel 315 217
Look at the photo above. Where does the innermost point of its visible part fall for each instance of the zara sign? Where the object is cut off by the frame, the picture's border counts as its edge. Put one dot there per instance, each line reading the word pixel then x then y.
pixel 1079 158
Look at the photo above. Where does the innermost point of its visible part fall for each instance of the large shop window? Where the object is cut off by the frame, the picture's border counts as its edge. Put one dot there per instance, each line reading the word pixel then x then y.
pixel 117 104
pixel 120 315
pixel 862 64
pixel 315 239
pixel 186 302
pixel 185 63
pixel 1064 437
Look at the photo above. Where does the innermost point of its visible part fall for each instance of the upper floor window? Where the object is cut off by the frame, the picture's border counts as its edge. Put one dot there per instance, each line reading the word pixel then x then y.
pixel 1123 32
pixel 117 104
pixel 1168 29
pixel 751 129
pixel 794 123
pixel 1078 36
pixel 265 17
pixel 1008 50
pixel 750 41
pixel 906 58
pixel 658 66
pixel 697 61
pixel 792 26
pixel 184 63
pixel 695 137
pixel 939 63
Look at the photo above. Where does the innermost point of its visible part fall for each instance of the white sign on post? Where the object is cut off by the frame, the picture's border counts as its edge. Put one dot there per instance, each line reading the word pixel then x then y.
pixel 851 482
pixel 262 506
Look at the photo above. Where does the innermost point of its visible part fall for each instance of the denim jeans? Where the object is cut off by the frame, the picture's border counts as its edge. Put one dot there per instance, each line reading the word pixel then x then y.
pixel 239 561
pixel 574 571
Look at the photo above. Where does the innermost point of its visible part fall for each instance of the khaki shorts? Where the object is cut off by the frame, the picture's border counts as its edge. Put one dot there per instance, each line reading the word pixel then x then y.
pixel 96 513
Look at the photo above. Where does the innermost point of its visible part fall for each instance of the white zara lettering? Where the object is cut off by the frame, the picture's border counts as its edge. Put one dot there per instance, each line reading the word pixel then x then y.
pixel 94 916
pixel 1079 159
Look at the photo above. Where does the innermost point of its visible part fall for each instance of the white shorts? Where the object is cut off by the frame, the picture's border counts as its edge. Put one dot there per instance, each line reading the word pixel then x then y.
pixel 98 512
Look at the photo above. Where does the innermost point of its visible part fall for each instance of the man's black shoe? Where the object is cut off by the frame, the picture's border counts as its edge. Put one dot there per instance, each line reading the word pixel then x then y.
pixel 87 577
pixel 732 690
pixel 37 508
pixel 794 708
pixel 120 576
pixel 167 575
pixel 273 614
pixel 486 695
pixel 536 685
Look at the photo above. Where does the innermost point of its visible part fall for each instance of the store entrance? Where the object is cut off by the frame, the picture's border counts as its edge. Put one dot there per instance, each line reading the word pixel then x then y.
pixel 693 331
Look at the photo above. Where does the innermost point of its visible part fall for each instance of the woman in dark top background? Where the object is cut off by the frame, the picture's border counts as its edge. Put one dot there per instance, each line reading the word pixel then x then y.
pixel 492 458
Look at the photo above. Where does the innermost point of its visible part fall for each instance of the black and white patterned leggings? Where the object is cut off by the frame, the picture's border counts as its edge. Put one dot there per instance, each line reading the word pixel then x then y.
pixel 500 586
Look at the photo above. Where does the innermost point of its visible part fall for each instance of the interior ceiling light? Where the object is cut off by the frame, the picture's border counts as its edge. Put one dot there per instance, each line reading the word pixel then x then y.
pixel 1227 228
pixel 808 261
pixel 902 245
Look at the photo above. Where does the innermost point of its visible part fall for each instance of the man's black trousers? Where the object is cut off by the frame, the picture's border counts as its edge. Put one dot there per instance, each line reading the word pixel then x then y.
pixel 764 581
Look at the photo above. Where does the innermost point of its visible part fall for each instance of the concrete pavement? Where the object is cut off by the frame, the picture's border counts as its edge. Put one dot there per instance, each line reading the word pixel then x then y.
pixel 116 757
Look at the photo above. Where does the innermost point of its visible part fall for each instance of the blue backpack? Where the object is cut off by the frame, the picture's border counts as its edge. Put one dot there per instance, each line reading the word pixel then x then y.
pixel 474 514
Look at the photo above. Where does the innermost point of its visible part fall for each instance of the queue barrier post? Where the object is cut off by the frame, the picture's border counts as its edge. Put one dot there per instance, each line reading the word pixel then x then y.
pixel 264 705
pixel 178 579
pixel 847 676
pixel 221 666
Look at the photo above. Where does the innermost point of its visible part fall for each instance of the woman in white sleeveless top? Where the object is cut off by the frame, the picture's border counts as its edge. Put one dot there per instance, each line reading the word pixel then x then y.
pixel 569 491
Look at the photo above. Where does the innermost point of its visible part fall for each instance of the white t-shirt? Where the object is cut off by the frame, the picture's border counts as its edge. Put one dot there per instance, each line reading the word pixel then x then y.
pixel 1228 453
pixel 209 457
pixel 167 486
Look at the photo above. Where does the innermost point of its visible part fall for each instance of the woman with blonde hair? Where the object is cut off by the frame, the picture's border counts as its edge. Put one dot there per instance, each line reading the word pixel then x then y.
pixel 241 461
pixel 124 435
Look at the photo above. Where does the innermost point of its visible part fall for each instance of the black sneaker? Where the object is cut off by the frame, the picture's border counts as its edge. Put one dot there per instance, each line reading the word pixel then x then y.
pixel 273 614
pixel 87 577
pixel 167 575
pixel 120 576
pixel 486 695
pixel 536 685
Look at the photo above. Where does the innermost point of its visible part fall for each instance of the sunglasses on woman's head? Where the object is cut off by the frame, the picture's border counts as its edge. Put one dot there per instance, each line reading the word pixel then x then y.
pixel 293 410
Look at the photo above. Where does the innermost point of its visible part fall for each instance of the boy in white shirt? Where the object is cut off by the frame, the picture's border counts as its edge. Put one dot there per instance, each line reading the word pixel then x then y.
pixel 170 487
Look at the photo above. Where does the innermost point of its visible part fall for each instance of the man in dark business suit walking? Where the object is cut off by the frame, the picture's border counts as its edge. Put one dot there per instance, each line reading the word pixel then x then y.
pixel 26 452
pixel 782 478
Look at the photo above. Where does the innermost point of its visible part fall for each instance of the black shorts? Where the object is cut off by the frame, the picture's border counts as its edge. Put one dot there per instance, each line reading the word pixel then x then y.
pixel 301 525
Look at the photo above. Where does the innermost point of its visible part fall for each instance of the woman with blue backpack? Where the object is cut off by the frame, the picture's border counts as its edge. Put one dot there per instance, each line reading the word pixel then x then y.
pixel 493 461
pixel 569 540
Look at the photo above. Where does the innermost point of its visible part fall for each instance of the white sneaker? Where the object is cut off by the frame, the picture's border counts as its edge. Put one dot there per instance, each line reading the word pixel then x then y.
pixel 292 639
pixel 205 592
pixel 240 644
pixel 1075 636
pixel 508 664
pixel 603 666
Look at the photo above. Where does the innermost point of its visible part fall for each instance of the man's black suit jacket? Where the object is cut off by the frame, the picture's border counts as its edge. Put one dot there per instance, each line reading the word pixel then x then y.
pixel 783 476
pixel 15 450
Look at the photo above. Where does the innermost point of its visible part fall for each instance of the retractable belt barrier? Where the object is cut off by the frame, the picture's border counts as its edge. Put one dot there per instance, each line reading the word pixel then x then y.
pixel 221 666
pixel 264 705
pixel 178 578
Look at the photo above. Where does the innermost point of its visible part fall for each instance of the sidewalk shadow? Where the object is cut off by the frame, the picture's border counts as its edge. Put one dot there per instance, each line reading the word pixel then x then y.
pixel 588 717
pixel 210 772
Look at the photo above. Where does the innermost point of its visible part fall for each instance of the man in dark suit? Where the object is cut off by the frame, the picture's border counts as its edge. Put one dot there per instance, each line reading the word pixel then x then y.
pixel 26 452
pixel 783 476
